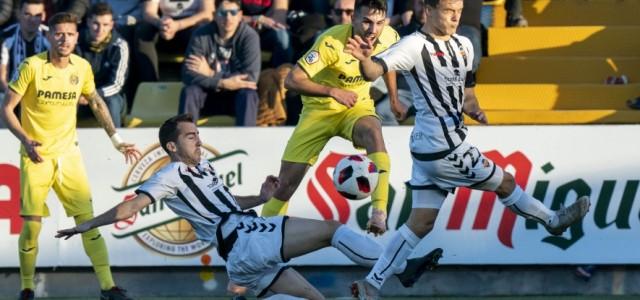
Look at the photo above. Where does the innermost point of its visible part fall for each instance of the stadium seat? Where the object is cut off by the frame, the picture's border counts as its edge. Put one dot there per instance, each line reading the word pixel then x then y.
pixel 154 102
pixel 157 101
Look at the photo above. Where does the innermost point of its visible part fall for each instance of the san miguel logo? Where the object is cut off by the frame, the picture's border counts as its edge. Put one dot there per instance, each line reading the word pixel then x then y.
pixel 156 227
pixel 326 200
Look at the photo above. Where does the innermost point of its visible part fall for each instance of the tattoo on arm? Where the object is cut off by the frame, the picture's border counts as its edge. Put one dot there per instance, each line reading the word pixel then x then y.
pixel 100 110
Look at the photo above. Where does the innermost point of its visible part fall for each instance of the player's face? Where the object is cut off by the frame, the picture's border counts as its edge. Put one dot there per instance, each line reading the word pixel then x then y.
pixel 63 38
pixel 31 16
pixel 368 23
pixel 444 18
pixel 188 146
pixel 342 11
pixel 228 17
pixel 100 27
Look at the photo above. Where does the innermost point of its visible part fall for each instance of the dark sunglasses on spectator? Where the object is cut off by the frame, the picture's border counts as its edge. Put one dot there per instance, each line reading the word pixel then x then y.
pixel 224 13
pixel 339 11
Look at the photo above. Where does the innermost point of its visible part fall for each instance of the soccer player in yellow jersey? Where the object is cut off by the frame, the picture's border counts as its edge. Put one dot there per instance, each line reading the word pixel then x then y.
pixel 48 86
pixel 336 102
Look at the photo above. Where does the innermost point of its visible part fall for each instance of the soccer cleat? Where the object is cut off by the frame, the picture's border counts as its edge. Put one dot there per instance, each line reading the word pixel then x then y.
pixel 569 215
pixel 417 266
pixel 115 293
pixel 362 290
pixel 26 294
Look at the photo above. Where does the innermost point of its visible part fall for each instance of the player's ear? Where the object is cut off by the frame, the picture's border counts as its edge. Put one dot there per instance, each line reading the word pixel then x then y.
pixel 171 146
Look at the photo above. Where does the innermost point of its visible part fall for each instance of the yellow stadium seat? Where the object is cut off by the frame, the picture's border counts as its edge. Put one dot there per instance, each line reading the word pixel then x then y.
pixel 154 103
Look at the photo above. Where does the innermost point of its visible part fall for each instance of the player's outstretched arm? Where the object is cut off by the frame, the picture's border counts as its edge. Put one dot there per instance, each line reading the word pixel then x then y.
pixel 100 110
pixel 269 186
pixel 471 106
pixel 119 212
pixel 362 50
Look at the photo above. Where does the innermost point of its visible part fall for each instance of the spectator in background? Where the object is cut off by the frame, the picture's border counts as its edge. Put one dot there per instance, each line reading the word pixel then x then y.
pixel 108 55
pixel 221 68
pixel 269 18
pixel 514 13
pixel 171 21
pixel 471 28
pixel 418 18
pixel 21 40
pixel 342 12
pixel 399 12
pixel 126 15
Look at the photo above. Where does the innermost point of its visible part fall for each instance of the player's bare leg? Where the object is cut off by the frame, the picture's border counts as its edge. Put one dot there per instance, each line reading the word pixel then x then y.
pixel 291 174
pixel 367 133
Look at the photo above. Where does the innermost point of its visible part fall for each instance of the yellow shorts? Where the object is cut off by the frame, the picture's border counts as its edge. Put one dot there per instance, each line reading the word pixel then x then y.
pixel 318 125
pixel 66 174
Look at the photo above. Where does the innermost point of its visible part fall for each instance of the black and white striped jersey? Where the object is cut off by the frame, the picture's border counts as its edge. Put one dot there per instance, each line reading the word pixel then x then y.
pixel 194 193
pixel 437 72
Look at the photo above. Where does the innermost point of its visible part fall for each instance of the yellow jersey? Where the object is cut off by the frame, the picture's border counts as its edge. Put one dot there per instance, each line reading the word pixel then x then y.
pixel 326 63
pixel 50 100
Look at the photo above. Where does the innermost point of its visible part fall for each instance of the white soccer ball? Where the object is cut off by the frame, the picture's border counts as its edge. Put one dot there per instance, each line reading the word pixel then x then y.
pixel 355 177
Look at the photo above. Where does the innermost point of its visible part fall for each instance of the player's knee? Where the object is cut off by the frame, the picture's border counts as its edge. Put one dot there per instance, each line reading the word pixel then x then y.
pixel 421 229
pixel 506 187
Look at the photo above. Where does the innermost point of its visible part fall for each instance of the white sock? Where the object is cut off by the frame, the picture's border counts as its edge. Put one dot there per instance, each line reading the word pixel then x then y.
pixel 529 207
pixel 393 259
pixel 360 249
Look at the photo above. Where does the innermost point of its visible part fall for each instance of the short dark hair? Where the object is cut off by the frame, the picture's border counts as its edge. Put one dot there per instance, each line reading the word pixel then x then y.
pixel 25 2
pixel 169 130
pixel 100 9
pixel 239 2
pixel 375 5
pixel 62 18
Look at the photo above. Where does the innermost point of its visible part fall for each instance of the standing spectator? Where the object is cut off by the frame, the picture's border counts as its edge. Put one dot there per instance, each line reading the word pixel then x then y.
pixel 269 18
pixel 21 40
pixel 342 12
pixel 108 55
pixel 399 12
pixel 174 25
pixel 222 67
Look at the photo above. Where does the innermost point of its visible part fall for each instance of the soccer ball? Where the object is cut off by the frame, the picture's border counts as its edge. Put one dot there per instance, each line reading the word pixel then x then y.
pixel 355 177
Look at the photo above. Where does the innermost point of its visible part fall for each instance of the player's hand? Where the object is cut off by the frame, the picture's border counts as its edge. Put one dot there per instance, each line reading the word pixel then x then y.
pixel 83 100
pixel 399 110
pixel 199 64
pixel 344 97
pixel 269 187
pixel 478 115
pixel 30 147
pixel 131 153
pixel 359 48
pixel 67 233
pixel 237 82
pixel 377 223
